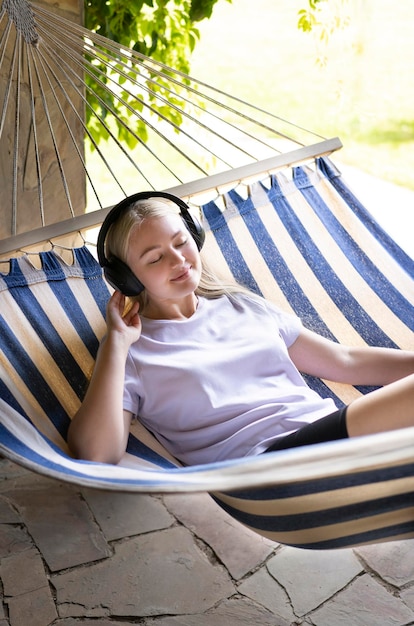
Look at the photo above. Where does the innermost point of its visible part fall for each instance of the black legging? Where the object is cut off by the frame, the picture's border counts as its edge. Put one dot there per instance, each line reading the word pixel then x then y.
pixel 327 428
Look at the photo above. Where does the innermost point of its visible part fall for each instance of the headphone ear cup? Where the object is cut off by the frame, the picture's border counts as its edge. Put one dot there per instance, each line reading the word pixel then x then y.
pixel 120 277
pixel 195 227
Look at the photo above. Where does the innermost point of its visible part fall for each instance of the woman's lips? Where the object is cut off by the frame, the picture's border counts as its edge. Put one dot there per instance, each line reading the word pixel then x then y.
pixel 182 276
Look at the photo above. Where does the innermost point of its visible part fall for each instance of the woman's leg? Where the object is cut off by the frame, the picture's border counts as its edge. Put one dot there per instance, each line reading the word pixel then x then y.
pixel 388 408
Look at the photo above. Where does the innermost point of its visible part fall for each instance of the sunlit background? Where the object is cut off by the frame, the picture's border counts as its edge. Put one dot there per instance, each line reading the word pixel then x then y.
pixel 360 87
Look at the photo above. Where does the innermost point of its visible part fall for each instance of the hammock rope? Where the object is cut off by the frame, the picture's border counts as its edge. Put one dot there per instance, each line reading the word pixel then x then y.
pixel 125 70
pixel 84 126
pixel 22 15
pixel 106 47
pixel 162 128
pixel 86 66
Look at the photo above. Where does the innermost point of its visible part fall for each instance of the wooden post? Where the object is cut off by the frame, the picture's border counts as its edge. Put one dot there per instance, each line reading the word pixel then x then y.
pixel 21 207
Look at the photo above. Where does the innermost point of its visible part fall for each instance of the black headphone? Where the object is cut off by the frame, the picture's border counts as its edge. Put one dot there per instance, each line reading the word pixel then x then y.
pixel 117 273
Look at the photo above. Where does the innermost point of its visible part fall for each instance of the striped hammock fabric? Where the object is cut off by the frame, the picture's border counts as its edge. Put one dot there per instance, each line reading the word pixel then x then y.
pixel 303 241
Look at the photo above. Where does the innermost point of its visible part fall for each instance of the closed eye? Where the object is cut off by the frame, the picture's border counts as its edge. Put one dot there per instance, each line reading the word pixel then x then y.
pixel 179 244
pixel 155 260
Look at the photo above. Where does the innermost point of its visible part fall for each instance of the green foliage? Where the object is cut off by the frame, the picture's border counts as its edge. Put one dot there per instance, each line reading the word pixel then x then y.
pixel 323 18
pixel 308 17
pixel 163 30
pixel 327 16
pixel 201 9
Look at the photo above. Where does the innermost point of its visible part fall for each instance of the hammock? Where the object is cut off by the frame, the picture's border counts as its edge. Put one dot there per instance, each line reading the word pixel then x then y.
pixel 353 285
pixel 299 237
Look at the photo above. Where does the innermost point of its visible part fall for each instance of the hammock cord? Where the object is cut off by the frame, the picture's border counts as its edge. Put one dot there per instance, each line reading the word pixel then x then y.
pixel 21 13
pixel 3 45
pixel 35 138
pixel 53 137
pixel 166 71
pixel 87 67
pixel 92 119
pixel 82 122
pixel 61 87
pixel 174 93
pixel 16 55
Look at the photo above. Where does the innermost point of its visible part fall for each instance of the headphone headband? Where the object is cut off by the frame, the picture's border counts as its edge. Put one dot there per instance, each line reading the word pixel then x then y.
pixel 117 273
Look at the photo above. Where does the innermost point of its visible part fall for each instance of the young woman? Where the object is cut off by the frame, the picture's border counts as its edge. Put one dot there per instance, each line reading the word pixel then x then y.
pixel 211 369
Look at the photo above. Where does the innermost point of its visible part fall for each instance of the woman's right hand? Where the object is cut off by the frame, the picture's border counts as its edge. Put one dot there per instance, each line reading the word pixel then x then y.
pixel 128 324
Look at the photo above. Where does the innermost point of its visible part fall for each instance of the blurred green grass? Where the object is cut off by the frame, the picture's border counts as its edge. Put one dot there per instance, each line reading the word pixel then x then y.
pixel 364 93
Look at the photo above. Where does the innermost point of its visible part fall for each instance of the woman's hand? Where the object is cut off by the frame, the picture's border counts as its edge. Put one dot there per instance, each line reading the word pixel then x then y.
pixel 127 324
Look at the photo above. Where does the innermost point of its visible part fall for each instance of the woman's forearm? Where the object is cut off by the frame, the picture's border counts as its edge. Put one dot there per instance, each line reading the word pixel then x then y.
pixel 99 429
pixel 380 366
pixel 317 356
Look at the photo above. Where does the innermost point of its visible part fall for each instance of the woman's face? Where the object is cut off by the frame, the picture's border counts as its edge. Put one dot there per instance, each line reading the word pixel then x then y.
pixel 164 257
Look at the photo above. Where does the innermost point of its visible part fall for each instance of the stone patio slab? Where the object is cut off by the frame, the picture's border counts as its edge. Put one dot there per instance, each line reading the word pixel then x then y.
pixel 163 573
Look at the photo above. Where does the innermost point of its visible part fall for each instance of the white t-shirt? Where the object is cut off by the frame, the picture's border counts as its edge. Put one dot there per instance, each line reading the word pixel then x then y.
pixel 220 384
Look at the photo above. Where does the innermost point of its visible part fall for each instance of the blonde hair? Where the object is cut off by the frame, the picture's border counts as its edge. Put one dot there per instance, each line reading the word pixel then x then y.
pixel 117 243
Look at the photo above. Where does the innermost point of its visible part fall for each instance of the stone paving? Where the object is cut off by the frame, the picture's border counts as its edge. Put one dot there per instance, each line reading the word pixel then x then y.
pixel 72 556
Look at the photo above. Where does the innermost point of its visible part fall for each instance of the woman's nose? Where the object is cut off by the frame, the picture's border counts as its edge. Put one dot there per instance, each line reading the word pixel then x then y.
pixel 176 256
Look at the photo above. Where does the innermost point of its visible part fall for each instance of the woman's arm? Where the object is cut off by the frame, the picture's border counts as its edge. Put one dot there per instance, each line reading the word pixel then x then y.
pixel 99 430
pixel 315 355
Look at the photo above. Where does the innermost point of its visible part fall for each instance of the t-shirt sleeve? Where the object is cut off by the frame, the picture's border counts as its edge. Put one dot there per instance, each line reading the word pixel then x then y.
pixel 131 395
pixel 289 324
